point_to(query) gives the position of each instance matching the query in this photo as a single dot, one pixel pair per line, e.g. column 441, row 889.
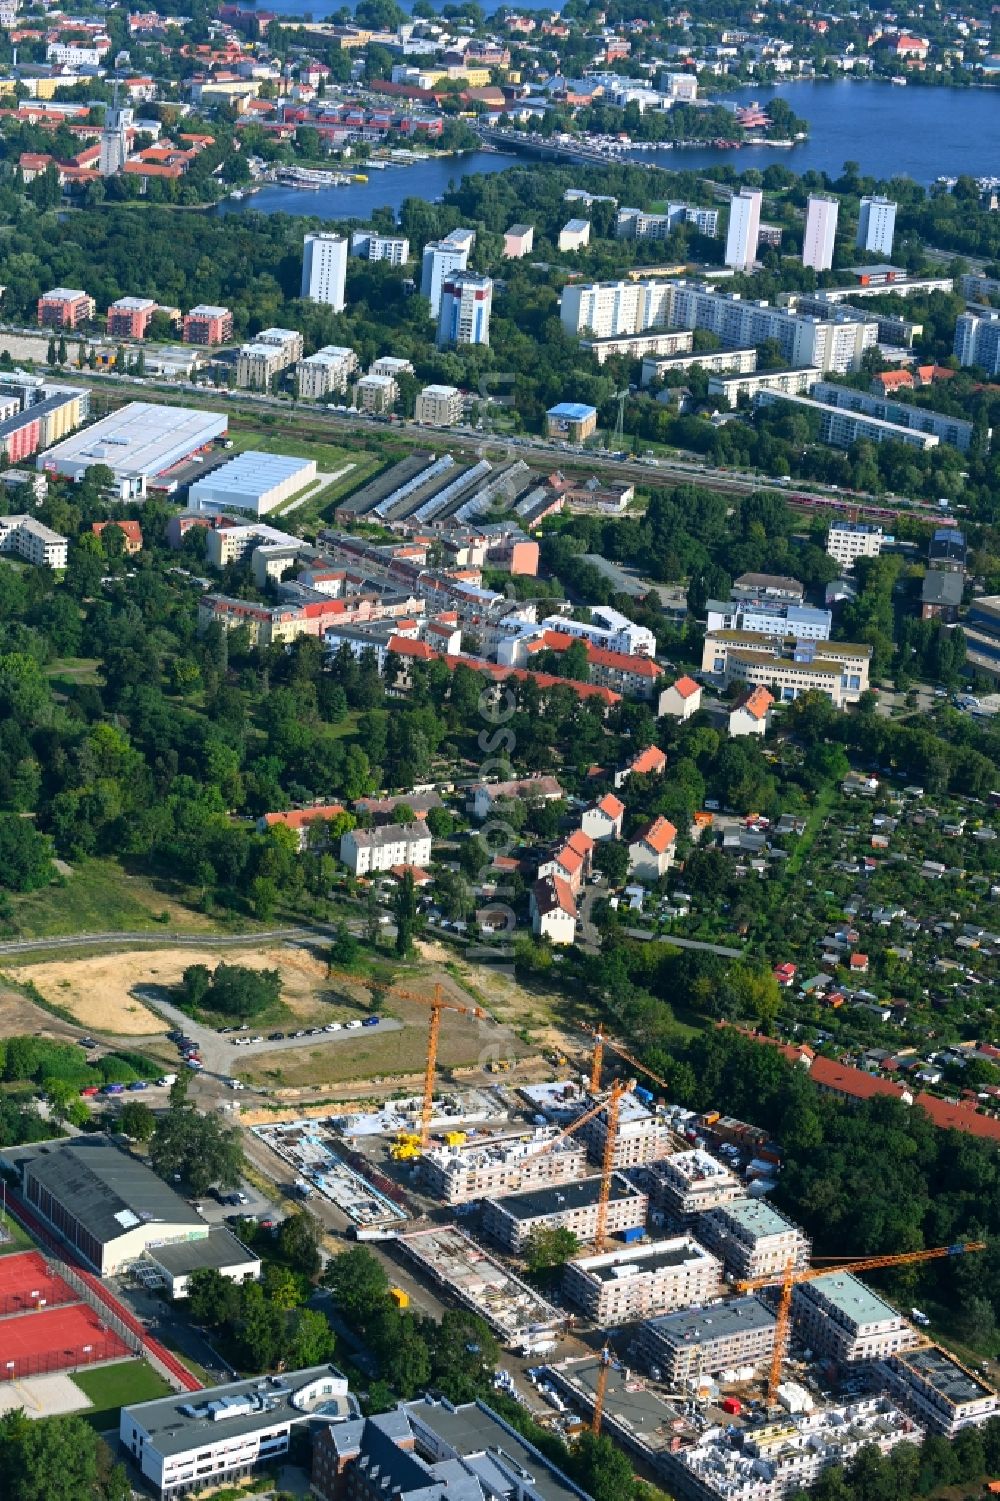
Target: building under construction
column 506, row 1163
column 688, row 1184
column 732, row 1338
column 636, row 1282
column 568, row 1206
column 642, row 1137
column 456, row 1263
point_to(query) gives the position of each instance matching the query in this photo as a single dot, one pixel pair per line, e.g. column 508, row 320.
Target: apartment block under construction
column 503, row 1164
column 642, row 1137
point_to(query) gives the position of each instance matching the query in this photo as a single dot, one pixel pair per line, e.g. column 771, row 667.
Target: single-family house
column 604, row 819
column 485, row 795
column 651, row 851
column 750, row 716
column 648, row 763
column 553, row 910
column 681, row 699
column 571, row 862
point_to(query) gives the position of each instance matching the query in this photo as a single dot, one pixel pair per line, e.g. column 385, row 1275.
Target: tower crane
column 791, row 1277
column 600, row 1391
column 437, row 1004
column 602, row 1041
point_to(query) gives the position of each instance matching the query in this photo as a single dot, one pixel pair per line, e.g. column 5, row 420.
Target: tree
column 358, row 1282
column 310, row 1339
column 344, row 949
column 464, row 1354
column 212, row 1299
column 611, row 858
column 62, row 1459
column 283, row 1288
column 25, row 861
column 405, row 906
column 197, row 1149
column 233, row 989
column 547, row 1249
column 601, row 1468
column 298, row 1242
column 260, row 1329
column 136, row 1120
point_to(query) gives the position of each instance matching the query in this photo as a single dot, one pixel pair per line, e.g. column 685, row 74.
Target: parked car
column 113, row 1089
column 370, row 1021
column 137, row 1084
column 89, row 1090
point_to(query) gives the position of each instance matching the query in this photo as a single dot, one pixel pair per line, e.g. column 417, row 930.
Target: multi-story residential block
column 728, row 1336
column 366, row 850
column 744, row 225
column 514, row 1162
column 227, row 544
column 466, row 304
column 270, row 352
column 518, row 241
column 736, row 386
column 128, row 318
column 603, row 820
column 842, row 429
column 941, row 1393
column 838, row 1316
column 326, row 372
column 753, row 1238
column 324, row 269
column 639, row 1282
column 953, row 430
column 390, row 364
column 376, row 393
column 667, row 342
column 688, row 1184
column 574, row 235
column 442, row 259
column 769, row 618
column 439, row 406
column 642, row 1136
column 513, row 1219
column 637, row 224
column 738, row 361
column 65, row 307
column 681, row 699
column 837, row 668
column 846, row 541
column 876, row 226
column 27, row 538
column 615, row 309
column 820, row 232
column 375, row 247
column 207, row 324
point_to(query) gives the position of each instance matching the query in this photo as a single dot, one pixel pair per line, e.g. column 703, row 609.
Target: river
column 921, row 133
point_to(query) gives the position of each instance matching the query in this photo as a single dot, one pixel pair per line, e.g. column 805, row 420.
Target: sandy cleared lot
column 98, row 990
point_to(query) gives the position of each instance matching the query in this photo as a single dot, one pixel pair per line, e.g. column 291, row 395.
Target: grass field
column 329, row 460
column 100, row 897
column 110, row 1387
column 20, row 1239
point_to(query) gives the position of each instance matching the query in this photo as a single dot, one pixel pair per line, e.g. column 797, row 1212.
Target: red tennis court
column 56, row 1340
column 26, row 1281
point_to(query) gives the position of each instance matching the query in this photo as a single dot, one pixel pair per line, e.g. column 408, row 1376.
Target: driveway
column 218, row 1053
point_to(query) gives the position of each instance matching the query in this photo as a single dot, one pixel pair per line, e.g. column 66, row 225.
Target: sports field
column 57, row 1339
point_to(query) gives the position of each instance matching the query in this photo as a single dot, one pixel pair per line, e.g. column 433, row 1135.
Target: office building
column 65, row 307
column 25, row 537
column 222, row 1434
column 838, row 1316
column 876, row 226
column 513, row 1219
column 367, row 850
column 466, row 304
column 376, row 393
column 842, row 429
column 639, row 1282
column 820, row 233
column 128, row 318
column 518, row 241
column 439, row 406
column 789, row 668
column 754, row 1239
column 441, row 259
column 727, row 1336
column 254, row 482
column 977, row 339
column 395, row 249
column 114, row 140
column 744, row 225
column 431, row 1450
column 947, row 429
column 942, row 1394
column 325, row 373
column 846, row 541
column 140, row 443
column 688, row 1184
column 766, row 617
column 324, row 269
column 207, row 324
column 267, row 355
column 510, row 1163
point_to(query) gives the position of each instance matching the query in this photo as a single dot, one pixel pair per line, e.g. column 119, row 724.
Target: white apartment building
column 466, row 305
column 754, row 1239
column 744, row 228
column 977, row 339
column 805, row 340
column 390, row 364
column 375, row 247
column 36, row 543
column 270, row 352
column 639, row 1282
column 848, row 540
column 367, row 850
column 841, row 428
column 838, row 1316
column 441, row 258
column 638, row 346
column 574, row 235
column 511, row 1163
column 611, row 309
column 324, row 269
column 767, row 617
column 608, row 629
column 730, row 1335
column 642, row 1136
column 957, row 431
column 439, row 406
column 513, row 1219
column 637, row 224
column 326, row 372
column 734, row 386
column 820, row 232
column 376, row 393
column 876, row 226
column 738, row 361
column 688, row 1184
column 229, row 544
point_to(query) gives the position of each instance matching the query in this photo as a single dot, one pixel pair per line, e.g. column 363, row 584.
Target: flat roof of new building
column 207, row 310
column 850, row 1297
column 716, row 1321
column 943, row 1372
column 562, row 1198
column 474, row 1429
column 106, row 1189
column 178, row 1423
column 133, row 304
column 640, row 1414
column 140, row 440
column 572, row 411
column 249, row 477
column 216, row 1250
column 630, row 1261
column 755, row 1216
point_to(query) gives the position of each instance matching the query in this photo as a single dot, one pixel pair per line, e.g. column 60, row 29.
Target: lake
column 883, row 127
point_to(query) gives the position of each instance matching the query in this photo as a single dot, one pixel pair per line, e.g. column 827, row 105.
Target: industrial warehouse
column 141, row 443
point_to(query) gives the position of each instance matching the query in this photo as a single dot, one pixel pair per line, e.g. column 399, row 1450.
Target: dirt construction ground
column 98, row 990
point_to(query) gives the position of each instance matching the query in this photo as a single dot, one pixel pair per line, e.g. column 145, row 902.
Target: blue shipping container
column 632, row 1235
column 645, row 1095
